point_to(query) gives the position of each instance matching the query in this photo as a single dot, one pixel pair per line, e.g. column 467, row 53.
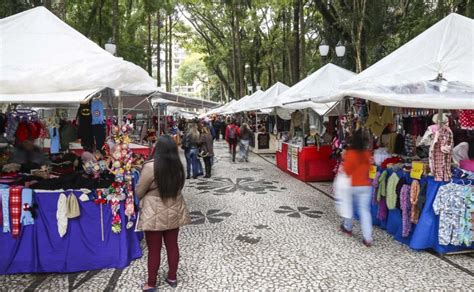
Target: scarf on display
column 15, row 209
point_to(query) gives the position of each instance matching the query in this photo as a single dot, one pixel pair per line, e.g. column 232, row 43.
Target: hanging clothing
column 55, row 142
column 441, row 153
column 67, row 134
column 410, row 143
column 414, row 195
column 380, row 155
column 391, row 191
column 379, row 117
column 405, row 206
column 5, row 192
column 61, row 214
column 382, row 186
column 460, row 152
column 382, row 212
column 450, row 206
column 428, row 137
column 466, row 119
column 15, row 209
column 467, row 222
column 97, row 110
column 27, row 204
column 85, row 126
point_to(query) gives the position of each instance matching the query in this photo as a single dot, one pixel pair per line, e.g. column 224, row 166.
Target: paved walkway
column 255, row 227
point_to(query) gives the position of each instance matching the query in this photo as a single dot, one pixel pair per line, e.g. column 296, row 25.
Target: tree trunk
column 148, row 48
column 166, row 55
column 240, row 65
column 295, row 55
column 115, row 24
column 360, row 7
column 302, row 42
column 170, row 52
column 234, row 53
column 158, row 49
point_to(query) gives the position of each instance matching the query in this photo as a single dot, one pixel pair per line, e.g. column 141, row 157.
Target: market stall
column 62, row 213
column 421, row 110
column 314, row 162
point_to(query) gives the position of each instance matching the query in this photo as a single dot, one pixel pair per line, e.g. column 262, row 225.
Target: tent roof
column 265, row 100
column 241, row 104
column 42, row 54
column 407, row 77
column 184, row 101
column 320, row 83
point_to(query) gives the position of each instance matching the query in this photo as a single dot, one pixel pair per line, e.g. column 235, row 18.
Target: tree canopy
column 243, row 44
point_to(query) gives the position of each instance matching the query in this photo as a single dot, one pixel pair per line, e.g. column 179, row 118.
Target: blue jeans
column 188, row 162
column 361, row 197
column 193, row 157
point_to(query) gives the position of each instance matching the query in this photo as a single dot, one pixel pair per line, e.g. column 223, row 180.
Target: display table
column 308, row 164
column 40, row 249
column 424, row 235
column 77, row 149
column 265, row 143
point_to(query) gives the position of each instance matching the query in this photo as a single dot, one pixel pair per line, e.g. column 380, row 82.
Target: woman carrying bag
column 162, row 208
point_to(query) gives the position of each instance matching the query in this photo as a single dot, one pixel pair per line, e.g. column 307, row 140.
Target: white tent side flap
column 265, row 100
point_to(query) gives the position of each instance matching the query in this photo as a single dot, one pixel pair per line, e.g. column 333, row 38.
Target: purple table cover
column 40, row 249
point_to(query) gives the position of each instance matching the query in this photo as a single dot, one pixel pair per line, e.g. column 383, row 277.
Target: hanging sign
column 292, row 158
column 372, row 171
column 416, row 169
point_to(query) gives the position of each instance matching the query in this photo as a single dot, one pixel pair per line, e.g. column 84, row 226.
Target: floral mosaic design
column 249, row 238
column 212, row 216
column 298, row 212
column 224, row 185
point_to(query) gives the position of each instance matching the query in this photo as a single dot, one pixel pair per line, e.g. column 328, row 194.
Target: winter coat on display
column 155, row 213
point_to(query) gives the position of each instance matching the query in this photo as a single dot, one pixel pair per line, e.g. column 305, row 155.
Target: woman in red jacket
column 232, row 134
column 356, row 164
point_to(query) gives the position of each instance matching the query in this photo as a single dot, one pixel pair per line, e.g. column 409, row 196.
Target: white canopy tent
column 242, row 103
column 434, row 70
column 45, row 60
column 225, row 107
column 265, row 100
column 320, row 83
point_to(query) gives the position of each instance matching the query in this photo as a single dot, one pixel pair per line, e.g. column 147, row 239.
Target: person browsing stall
column 162, row 208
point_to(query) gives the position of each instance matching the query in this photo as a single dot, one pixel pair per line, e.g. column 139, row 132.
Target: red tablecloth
column 313, row 165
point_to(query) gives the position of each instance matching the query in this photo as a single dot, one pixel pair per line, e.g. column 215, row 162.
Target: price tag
column 416, row 169
column 372, row 171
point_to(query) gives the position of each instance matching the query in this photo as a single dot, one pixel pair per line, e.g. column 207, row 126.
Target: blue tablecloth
column 424, row 235
column 40, row 249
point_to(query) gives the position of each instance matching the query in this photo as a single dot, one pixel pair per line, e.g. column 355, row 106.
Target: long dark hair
column 359, row 140
column 169, row 171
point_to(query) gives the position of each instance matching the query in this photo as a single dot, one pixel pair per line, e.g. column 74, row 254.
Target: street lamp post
column 324, row 48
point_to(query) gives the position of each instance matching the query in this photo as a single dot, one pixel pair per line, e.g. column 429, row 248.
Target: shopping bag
column 342, row 194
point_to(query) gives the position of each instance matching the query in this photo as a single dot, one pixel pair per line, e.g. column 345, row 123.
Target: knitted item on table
column 375, row 186
column 382, row 212
column 391, row 191
column 414, row 193
column 381, row 192
column 61, row 214
column 405, row 206
column 15, row 209
column 5, row 197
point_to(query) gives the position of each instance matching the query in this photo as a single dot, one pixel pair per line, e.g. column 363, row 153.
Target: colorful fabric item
column 382, row 192
column 414, row 194
column 61, row 214
column 466, row 233
column 450, row 206
column 380, row 155
column 466, row 119
column 379, row 117
column 97, row 110
column 441, row 154
column 15, row 209
column 391, row 191
column 405, row 206
column 375, row 187
column 382, row 212
column 5, row 192
column 27, row 204
column 391, row 160
column 72, row 209
column 54, row 138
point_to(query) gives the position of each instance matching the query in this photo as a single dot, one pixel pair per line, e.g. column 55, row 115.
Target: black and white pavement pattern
column 257, row 228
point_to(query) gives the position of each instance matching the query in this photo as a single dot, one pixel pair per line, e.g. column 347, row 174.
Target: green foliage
column 191, row 69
